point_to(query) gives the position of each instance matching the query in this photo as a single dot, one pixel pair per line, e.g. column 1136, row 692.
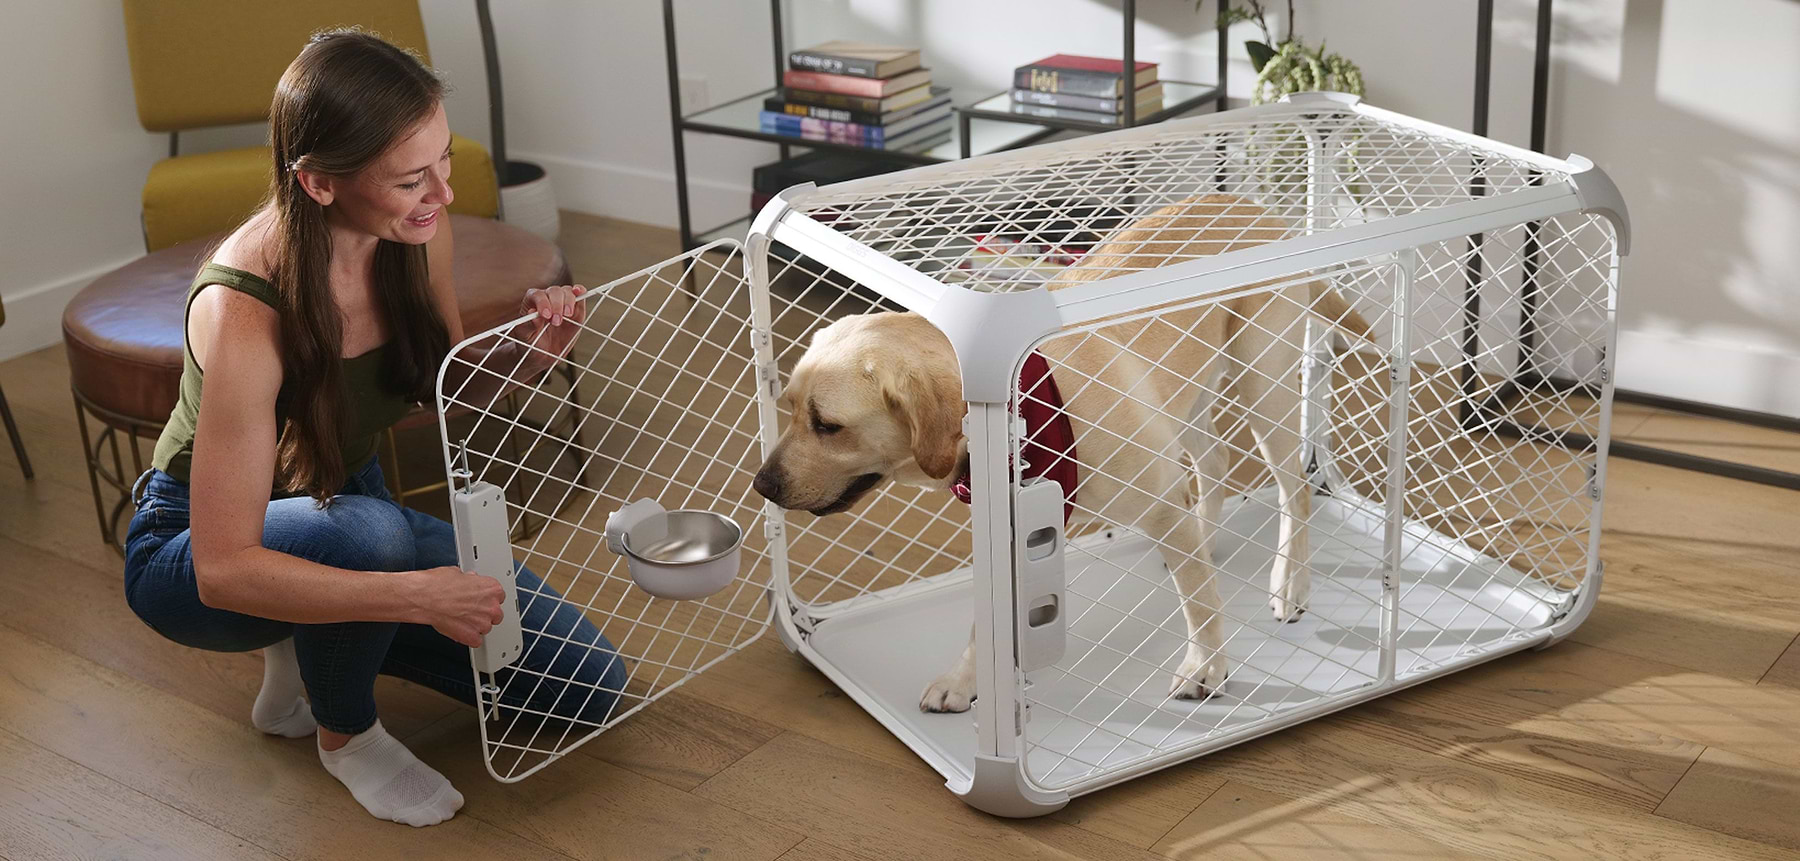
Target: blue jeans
column 568, row 668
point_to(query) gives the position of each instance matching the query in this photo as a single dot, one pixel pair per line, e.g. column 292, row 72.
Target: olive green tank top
column 369, row 408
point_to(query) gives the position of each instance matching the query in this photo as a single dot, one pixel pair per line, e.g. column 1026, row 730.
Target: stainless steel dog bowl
column 684, row 555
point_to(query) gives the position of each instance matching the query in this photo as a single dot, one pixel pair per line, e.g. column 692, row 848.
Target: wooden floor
column 1669, row 727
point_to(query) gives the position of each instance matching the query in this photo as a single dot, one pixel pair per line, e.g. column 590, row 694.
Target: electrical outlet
column 693, row 94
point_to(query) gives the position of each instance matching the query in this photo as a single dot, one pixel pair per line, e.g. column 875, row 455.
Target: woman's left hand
column 557, row 316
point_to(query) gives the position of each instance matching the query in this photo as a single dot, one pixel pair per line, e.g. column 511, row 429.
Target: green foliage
column 1289, row 66
column 1294, row 69
column 1260, row 54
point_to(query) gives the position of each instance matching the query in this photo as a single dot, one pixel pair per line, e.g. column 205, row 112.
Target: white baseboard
column 1711, row 372
column 34, row 315
column 636, row 194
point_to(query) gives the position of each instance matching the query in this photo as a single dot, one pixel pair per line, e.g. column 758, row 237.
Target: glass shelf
column 1178, row 97
column 742, row 118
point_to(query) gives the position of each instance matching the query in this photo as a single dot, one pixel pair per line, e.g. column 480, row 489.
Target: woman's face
column 401, row 197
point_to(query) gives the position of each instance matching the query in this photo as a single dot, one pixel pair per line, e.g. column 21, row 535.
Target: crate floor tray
column 1106, row 705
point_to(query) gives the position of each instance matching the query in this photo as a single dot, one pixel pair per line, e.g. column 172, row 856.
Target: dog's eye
column 824, row 428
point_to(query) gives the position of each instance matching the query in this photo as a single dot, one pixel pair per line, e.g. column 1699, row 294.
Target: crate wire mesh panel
column 663, row 407
column 1287, row 337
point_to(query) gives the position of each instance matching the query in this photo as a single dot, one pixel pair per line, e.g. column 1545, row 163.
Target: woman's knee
column 359, row 533
column 567, row 646
column 591, row 686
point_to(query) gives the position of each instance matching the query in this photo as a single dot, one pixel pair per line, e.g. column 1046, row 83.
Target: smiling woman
column 313, row 327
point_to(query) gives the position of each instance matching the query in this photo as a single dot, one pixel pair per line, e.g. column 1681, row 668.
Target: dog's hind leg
column 1200, row 439
column 1272, row 409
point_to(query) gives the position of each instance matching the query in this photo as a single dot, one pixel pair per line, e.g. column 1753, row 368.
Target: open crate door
column 656, row 398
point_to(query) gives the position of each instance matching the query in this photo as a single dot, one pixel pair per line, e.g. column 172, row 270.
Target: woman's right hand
column 460, row 605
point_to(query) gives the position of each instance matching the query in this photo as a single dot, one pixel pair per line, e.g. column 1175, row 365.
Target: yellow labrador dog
column 879, row 397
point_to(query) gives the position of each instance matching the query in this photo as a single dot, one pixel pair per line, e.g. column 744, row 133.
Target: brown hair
column 340, row 105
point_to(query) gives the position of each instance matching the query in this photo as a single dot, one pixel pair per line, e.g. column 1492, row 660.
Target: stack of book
column 1087, row 89
column 858, row 94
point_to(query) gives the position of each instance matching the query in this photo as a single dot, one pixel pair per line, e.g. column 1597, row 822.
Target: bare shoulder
column 219, row 312
column 251, row 247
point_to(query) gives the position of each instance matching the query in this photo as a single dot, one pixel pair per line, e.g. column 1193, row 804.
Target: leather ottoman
column 123, row 335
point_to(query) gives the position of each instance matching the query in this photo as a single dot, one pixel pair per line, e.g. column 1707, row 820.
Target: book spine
column 1031, row 110
column 868, row 88
column 1068, row 100
column 1071, row 81
column 837, row 132
column 832, row 100
column 821, row 112
column 860, row 67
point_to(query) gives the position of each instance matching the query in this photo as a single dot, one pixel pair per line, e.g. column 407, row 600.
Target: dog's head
column 876, row 395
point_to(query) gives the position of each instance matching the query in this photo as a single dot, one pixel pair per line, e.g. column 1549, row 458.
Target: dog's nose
column 768, row 483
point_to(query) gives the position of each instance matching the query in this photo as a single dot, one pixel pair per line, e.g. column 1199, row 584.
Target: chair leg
column 396, row 487
column 90, row 454
column 12, row 432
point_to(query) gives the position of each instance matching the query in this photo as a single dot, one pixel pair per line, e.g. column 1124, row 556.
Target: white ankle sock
column 389, row 781
column 280, row 708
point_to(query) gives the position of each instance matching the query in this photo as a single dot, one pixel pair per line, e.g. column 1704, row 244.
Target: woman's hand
column 558, row 314
column 460, row 605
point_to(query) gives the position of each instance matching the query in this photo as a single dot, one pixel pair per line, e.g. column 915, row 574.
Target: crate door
column 656, row 398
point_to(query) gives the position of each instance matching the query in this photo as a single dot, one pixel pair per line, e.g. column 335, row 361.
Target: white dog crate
column 1338, row 382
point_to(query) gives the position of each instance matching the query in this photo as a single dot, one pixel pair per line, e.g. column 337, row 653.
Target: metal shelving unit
column 979, row 129
column 1491, row 411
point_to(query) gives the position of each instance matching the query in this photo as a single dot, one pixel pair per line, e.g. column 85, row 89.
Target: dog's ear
column 932, row 413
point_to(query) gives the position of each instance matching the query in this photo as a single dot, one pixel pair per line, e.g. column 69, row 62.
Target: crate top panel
column 1150, row 197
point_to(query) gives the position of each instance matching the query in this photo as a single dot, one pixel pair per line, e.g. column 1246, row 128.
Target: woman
column 264, row 523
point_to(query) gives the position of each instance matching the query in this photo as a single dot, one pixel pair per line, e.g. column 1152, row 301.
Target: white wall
column 1694, row 109
column 73, row 158
column 72, row 161
column 1704, row 142
column 1692, row 106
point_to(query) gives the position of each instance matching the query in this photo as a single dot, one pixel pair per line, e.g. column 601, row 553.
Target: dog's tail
column 1336, row 310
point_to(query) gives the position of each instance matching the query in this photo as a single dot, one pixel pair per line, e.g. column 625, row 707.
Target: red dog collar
column 1049, row 446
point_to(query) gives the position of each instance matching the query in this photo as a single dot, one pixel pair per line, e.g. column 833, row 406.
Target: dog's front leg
column 955, row 689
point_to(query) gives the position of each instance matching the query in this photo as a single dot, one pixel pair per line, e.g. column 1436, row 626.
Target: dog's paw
column 1288, row 603
column 1200, row 676
column 950, row 692
column 1285, row 610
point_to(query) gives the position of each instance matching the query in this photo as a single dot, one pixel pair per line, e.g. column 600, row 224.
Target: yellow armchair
column 202, row 63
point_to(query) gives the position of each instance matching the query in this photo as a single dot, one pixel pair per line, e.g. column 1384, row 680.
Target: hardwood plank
column 83, row 611
column 1721, row 439
column 1242, row 823
column 600, row 249
column 1140, row 810
column 814, row 850
column 1724, row 607
column 1645, row 499
column 680, row 740
column 1663, row 630
column 1627, row 418
column 768, row 682
column 1741, row 796
column 885, row 811
column 1548, row 752
column 587, row 808
column 272, row 792
column 1466, row 807
column 1622, row 695
column 1787, row 668
column 55, row 511
column 53, row 808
